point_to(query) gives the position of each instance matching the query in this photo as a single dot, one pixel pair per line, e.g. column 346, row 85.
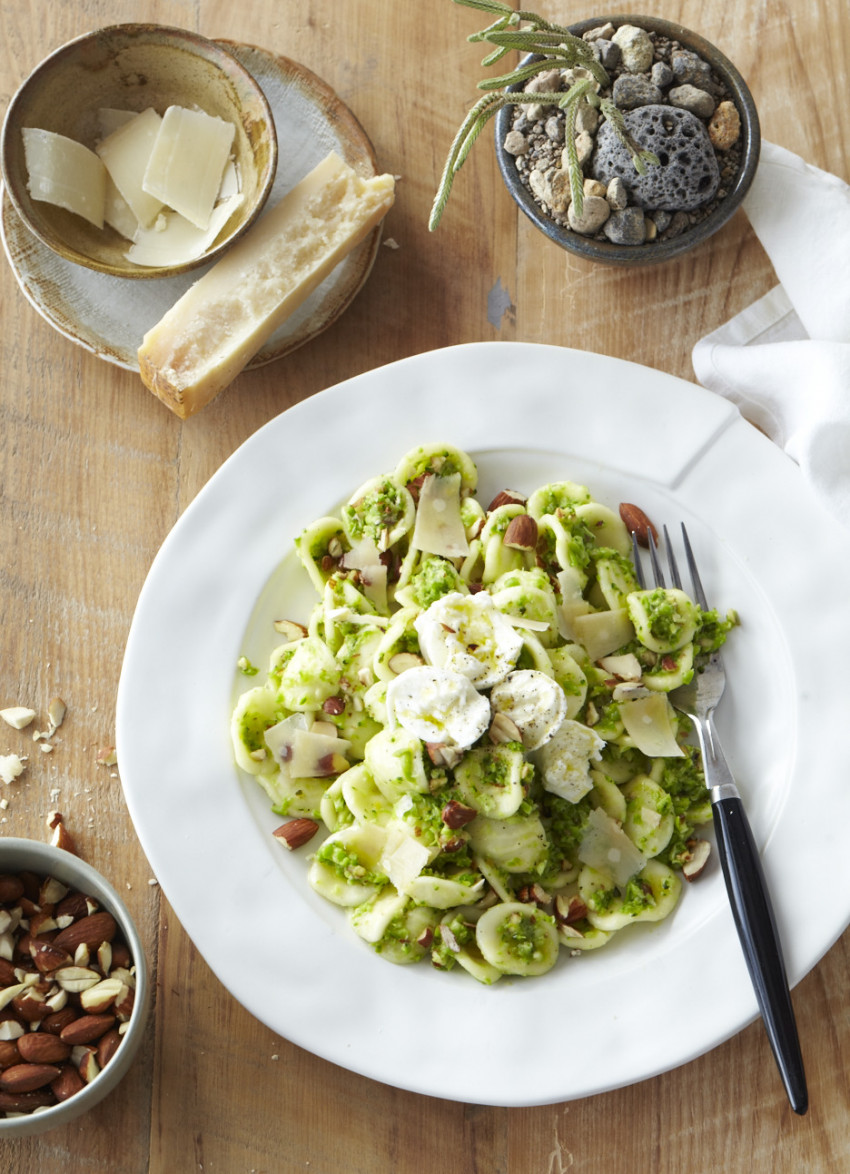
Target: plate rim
column 368, row 395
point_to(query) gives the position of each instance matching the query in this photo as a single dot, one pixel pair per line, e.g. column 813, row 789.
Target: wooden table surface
column 94, row 472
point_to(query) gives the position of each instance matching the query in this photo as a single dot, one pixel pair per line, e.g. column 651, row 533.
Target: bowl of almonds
column 73, row 987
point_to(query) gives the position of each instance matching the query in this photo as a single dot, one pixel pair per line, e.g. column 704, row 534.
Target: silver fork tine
column 638, row 564
column 671, row 561
column 653, row 558
column 699, row 593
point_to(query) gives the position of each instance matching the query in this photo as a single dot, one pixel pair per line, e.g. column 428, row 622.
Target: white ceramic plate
column 656, row 996
column 108, row 316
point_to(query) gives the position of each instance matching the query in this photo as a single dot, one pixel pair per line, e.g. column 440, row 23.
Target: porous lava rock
column 688, row 173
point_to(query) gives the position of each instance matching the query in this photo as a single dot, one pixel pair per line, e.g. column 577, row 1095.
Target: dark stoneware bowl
column 663, row 250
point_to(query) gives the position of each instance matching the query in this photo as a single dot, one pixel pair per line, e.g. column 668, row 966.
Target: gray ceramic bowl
column 650, row 253
column 17, row 855
column 131, row 67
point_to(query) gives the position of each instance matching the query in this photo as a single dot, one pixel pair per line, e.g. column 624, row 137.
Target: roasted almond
column 86, row 1029
column 9, row 1053
column 457, row 815
column 51, row 891
column 85, row 1058
column 75, row 979
column 123, row 1006
column 90, row 931
column 699, row 852
column 637, row 523
column 521, row 533
column 27, row 1077
column 11, row 1025
column 67, row 1084
column 503, row 729
column 291, row 630
column 25, row 1102
column 11, row 888
column 506, row 497
column 62, row 838
column 31, row 882
column 75, row 905
column 47, row 956
column 569, row 909
column 59, row 1020
column 96, row 999
column 296, row 832
column 402, row 661
column 108, row 1046
column 30, row 1005
column 120, row 955
column 40, row 1047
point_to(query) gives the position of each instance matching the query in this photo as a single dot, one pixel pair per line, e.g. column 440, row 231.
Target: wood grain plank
column 94, row 472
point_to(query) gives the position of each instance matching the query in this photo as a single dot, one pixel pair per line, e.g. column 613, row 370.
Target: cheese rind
column 208, row 336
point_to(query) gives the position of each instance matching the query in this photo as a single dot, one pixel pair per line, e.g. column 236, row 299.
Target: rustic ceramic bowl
column 650, row 253
column 131, row 67
column 17, row 855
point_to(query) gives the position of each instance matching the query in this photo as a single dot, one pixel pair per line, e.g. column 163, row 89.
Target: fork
column 742, row 871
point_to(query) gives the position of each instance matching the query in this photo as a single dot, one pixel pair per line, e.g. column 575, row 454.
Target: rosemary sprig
column 553, row 47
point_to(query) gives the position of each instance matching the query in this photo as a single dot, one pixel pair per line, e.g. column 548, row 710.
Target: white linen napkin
column 785, row 360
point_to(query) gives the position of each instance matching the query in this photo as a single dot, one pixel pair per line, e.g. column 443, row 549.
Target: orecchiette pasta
column 482, row 727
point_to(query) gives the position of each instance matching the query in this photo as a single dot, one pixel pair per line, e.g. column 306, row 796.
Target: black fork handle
column 757, row 930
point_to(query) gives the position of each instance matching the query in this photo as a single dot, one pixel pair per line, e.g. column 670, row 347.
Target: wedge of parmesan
column 220, row 323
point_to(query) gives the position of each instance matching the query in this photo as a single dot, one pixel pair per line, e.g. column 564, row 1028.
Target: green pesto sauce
column 664, row 618
column 434, row 578
column 683, row 781
column 637, row 896
column 565, row 824
column 252, row 730
column 375, row 511
column 522, row 935
column 347, row 865
column 713, row 630
column 601, row 899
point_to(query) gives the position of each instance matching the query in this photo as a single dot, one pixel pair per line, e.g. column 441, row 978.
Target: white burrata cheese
column 534, row 701
column 438, row 705
column 469, row 635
